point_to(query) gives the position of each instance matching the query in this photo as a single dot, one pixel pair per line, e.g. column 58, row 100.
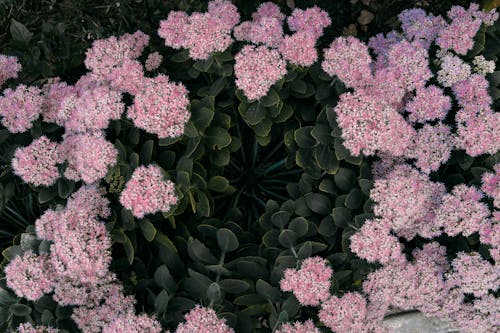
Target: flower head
column 202, row 320
column 20, row 107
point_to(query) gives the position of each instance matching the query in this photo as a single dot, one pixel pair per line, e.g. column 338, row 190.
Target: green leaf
column 218, row 184
column 11, row 252
column 227, row 240
column 147, row 151
column 213, row 293
column 217, row 87
column 299, row 86
column 202, row 117
column 341, row 216
column 305, row 251
column 127, row 219
column 287, row 238
column 318, row 203
column 19, row 32
column 265, row 289
column 148, row 230
column 234, row 286
column 199, row 252
column 161, row 302
column 272, row 98
column 354, row 199
column 217, row 138
column 163, row 240
column 20, row 310
column 255, row 114
column 181, row 56
column 164, row 279
column 46, row 194
column 280, row 219
column 65, row 187
column 345, row 179
column 299, row 225
column 129, row 250
column 303, row 137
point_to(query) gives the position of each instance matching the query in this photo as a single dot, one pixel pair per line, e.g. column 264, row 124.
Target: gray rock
column 415, row 322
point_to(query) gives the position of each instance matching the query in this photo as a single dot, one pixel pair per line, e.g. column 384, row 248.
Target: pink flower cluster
column 37, row 163
column 202, row 320
column 161, row 107
column 392, row 97
column 147, row 192
column 298, row 327
column 491, row 185
column 256, row 69
column 28, row 328
column 20, row 107
column 201, row 33
column 9, row 68
column 311, row 283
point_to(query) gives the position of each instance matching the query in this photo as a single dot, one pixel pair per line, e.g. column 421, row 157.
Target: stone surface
column 415, row 322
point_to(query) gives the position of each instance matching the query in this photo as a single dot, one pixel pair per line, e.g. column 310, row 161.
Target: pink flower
column 161, row 107
column 348, row 59
column 420, row 26
column 491, row 185
column 432, row 147
column 346, row 314
column 479, row 135
column 89, row 156
column 147, row 192
column 153, row 61
column 429, row 103
column 256, row 69
column 9, row 68
column 267, row 31
column 473, row 96
column 459, row 34
column 37, row 163
column 299, row 49
column 174, row 29
column 55, row 92
column 473, row 275
column 461, row 211
column 312, row 20
column 375, row 243
column 434, row 254
column 225, row 11
column 270, row 10
column 311, row 283
column 298, row 327
column 203, row 320
column 20, row 107
column 28, row 328
column 131, row 323
column 91, row 109
column 30, row 275
column 408, row 200
column 453, row 70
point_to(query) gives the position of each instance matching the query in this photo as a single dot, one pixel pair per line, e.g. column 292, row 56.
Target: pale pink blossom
column 20, row 107
column 257, row 68
column 431, row 147
column 30, row 275
column 131, row 323
column 311, row 283
column 459, row 34
column 203, row 320
column 153, row 61
column 299, row 49
column 147, row 192
column 313, row 20
column 491, row 185
column 298, row 327
column 37, row 163
column 29, row 328
column 429, row 103
column 161, row 107
column 9, row 68
column 346, row 314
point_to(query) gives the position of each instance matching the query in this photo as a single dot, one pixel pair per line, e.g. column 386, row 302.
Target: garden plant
column 250, row 166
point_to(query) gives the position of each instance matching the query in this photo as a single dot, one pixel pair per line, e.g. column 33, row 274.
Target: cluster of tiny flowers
column 473, row 275
column 161, row 107
column 483, row 66
column 153, row 61
column 256, row 69
column 419, row 26
column 147, row 192
column 201, row 33
column 491, row 185
column 346, row 314
column 30, row 275
column 461, row 211
column 89, row 155
column 374, row 243
column 9, row 68
column 298, row 327
column 20, row 107
column 130, row 323
column 29, row 328
column 429, row 103
column 311, row 283
column 37, row 163
column 255, row 78
column 453, row 70
column 202, row 320
column 431, row 147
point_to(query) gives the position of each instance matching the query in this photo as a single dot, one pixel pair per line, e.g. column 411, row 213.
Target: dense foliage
column 244, row 168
